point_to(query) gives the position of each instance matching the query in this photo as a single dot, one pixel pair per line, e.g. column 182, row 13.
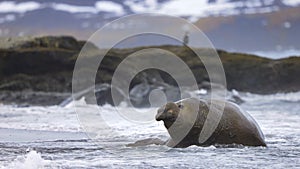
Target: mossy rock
column 49, row 62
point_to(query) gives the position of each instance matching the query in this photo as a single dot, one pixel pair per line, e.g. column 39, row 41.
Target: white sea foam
column 104, row 121
column 288, row 97
column 52, row 118
column 56, row 118
column 277, row 115
column 32, row 160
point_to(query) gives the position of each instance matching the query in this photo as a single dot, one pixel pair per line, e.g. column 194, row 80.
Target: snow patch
column 268, row 2
column 100, row 6
column 291, row 2
column 195, row 9
column 8, row 18
column 277, row 54
column 10, row 6
column 287, row 24
column 108, row 6
column 73, row 8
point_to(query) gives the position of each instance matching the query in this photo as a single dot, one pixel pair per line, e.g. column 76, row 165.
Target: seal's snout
column 167, row 112
column 160, row 114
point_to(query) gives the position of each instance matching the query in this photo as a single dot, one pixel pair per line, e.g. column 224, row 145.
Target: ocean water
column 52, row 137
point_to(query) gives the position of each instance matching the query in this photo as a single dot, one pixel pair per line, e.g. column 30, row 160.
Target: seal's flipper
column 145, row 142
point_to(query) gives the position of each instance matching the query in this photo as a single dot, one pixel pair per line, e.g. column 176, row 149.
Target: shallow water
column 51, row 137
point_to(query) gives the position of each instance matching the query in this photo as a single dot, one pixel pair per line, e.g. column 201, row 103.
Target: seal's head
column 183, row 110
column 168, row 113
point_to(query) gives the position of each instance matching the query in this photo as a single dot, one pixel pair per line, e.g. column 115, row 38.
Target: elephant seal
column 185, row 119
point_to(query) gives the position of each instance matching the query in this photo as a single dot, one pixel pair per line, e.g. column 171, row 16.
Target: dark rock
column 46, row 64
column 61, row 42
column 26, row 98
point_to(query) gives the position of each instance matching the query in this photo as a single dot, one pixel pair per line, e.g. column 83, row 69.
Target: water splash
column 32, row 160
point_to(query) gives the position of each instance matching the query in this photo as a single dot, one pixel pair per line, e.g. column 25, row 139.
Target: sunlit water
column 51, row 137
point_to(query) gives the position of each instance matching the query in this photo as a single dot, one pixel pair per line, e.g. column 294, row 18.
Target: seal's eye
column 180, row 106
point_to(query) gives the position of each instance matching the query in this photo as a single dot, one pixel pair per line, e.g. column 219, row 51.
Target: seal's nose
column 160, row 114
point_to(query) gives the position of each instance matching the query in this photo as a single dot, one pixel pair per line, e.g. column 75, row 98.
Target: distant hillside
column 46, row 64
column 233, row 25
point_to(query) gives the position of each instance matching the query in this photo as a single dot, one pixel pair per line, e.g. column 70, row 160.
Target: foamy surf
column 277, row 114
column 31, row 160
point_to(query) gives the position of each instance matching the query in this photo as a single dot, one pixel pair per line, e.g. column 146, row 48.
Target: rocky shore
column 39, row 70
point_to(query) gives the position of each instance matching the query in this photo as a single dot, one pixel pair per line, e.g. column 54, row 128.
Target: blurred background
column 267, row 28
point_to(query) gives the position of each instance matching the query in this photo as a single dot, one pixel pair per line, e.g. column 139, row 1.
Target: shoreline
column 30, row 98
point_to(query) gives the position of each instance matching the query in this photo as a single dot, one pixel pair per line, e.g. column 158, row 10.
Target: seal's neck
column 168, row 124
